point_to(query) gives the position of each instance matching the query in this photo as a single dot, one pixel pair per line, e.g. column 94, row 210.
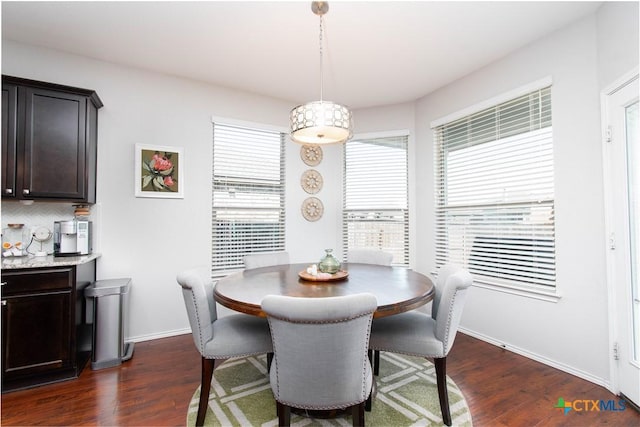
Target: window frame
column 219, row 270
column 406, row 211
column 546, row 293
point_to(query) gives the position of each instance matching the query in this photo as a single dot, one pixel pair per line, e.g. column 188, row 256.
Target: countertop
column 14, row 263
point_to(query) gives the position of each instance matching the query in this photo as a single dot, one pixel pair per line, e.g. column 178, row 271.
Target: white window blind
column 375, row 205
column 248, row 195
column 494, row 193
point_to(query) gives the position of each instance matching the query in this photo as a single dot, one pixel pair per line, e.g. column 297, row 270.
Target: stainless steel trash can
column 110, row 307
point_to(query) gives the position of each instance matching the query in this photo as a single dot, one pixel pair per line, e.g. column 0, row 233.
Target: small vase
column 329, row 264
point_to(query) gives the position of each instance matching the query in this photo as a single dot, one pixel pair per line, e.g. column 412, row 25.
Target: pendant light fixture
column 321, row 122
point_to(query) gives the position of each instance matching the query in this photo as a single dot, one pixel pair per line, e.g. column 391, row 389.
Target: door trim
column 618, row 84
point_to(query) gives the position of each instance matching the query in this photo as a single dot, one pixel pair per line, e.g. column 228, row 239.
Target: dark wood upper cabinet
column 49, row 136
column 9, row 116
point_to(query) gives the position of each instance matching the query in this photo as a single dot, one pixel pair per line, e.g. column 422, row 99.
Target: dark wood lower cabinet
column 44, row 325
column 46, row 341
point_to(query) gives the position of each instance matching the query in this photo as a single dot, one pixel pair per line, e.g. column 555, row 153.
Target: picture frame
column 159, row 171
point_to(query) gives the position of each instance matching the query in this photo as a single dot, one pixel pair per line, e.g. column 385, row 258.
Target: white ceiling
column 376, row 53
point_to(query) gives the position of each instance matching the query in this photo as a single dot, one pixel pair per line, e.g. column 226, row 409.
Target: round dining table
column 397, row 289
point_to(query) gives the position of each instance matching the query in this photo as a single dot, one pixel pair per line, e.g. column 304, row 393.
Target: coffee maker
column 72, row 238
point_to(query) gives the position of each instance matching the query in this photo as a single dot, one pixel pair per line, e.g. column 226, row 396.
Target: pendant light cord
column 321, row 70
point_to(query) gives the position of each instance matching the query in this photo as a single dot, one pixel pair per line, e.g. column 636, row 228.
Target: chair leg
column 357, row 414
column 205, row 386
column 269, row 360
column 368, row 403
column 441, row 377
column 284, row 414
column 376, row 362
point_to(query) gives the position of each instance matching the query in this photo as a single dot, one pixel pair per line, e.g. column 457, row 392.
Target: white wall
column 571, row 334
column 151, row 240
column 617, row 40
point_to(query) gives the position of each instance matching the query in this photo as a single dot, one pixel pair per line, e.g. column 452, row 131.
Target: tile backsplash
column 39, row 214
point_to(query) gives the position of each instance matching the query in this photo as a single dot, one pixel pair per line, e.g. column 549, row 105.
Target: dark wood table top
column 397, row 289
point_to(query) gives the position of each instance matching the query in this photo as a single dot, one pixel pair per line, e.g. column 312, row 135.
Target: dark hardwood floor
column 154, row 388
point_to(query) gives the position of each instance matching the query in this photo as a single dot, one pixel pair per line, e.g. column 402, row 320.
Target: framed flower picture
column 159, row 171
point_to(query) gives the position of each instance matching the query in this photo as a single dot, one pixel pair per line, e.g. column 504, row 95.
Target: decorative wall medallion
column 311, row 181
column 311, row 154
column 312, row 209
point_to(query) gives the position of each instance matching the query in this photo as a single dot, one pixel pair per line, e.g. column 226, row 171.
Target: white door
column 622, row 179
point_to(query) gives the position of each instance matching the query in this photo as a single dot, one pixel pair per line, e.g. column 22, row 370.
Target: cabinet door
column 9, row 116
column 36, row 333
column 54, row 145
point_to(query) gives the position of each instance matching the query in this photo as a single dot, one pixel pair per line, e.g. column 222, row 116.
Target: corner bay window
column 375, row 205
column 495, row 193
column 248, row 195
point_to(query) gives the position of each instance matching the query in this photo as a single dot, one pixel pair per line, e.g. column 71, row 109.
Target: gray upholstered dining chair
column 431, row 336
column 218, row 338
column 265, row 259
column 369, row 256
column 320, row 353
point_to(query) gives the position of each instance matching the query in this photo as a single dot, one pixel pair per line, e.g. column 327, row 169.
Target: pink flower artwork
column 159, row 171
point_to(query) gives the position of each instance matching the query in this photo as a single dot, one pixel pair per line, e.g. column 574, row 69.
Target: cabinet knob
column 25, row 191
column 4, row 302
column 8, row 191
column 3, row 283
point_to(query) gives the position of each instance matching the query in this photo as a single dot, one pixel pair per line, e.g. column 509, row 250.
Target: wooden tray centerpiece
column 323, row 277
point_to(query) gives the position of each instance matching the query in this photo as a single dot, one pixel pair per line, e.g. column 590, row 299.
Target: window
column 494, row 193
column 375, row 205
column 248, row 194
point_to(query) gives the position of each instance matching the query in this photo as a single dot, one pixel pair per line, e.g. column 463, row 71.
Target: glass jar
column 14, row 240
column 329, row 264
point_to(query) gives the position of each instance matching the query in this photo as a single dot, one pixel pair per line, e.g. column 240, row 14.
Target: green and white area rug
column 406, row 395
